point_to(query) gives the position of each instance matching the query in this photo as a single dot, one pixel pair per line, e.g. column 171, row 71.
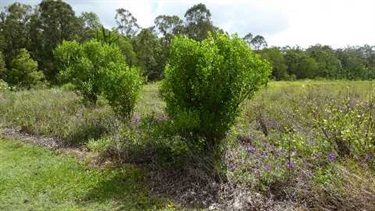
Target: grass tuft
column 34, row 178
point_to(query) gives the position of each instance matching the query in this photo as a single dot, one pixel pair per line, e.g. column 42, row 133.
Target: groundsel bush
column 206, row 82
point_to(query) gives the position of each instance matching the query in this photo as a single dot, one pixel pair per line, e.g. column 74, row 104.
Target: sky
column 337, row 23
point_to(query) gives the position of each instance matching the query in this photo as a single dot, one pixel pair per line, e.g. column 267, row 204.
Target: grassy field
column 34, row 178
column 312, row 141
column 310, row 144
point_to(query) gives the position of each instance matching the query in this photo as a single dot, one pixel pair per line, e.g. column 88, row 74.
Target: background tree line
column 30, row 34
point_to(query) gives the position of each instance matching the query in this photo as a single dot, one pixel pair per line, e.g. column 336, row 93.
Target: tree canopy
column 40, row 29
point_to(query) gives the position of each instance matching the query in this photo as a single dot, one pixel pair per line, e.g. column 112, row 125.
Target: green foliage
column 320, row 61
column 206, row 82
column 277, row 60
column 301, row 64
column 124, row 43
column 96, row 68
column 98, row 145
column 168, row 26
column 41, row 28
column 91, row 24
column 198, row 22
column 127, row 49
column 14, row 27
column 150, row 55
column 122, row 88
column 75, row 67
column 353, row 63
column 255, row 42
column 127, row 23
column 4, row 86
column 329, row 66
column 56, row 21
column 91, row 20
column 23, row 71
column 2, row 66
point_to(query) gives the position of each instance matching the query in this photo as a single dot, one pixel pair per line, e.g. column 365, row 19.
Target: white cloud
column 236, row 16
column 337, row 23
column 142, row 10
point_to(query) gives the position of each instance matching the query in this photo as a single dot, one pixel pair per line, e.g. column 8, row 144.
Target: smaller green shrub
column 84, row 65
column 96, row 68
column 24, row 72
column 4, row 86
column 68, row 87
column 98, row 145
column 122, row 89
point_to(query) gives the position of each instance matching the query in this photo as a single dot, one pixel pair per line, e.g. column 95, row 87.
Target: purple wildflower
column 316, row 155
column 291, row 164
column 332, row 156
column 232, row 167
column 268, row 167
column 250, row 150
column 368, row 157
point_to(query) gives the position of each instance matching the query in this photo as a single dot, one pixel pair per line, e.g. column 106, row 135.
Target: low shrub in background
column 23, row 71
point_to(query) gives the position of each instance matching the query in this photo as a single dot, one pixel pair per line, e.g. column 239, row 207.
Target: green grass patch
column 34, row 178
column 150, row 102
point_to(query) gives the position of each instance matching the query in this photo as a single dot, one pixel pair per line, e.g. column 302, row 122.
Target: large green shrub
column 206, row 82
column 23, row 71
column 97, row 68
